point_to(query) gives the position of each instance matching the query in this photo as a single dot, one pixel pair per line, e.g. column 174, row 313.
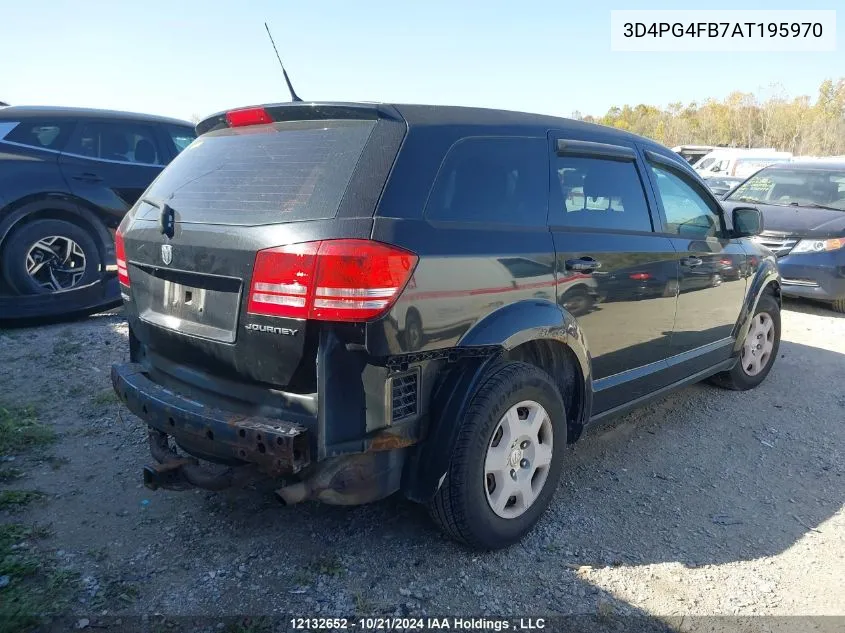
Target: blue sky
column 186, row 57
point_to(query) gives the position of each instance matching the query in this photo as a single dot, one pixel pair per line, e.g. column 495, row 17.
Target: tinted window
column 492, row 180
column 43, row 134
column 283, row 172
column 601, row 194
column 181, row 136
column 124, row 142
column 687, row 212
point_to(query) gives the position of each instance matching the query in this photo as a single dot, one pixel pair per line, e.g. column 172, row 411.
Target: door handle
column 691, row 262
column 583, row 264
column 88, row 177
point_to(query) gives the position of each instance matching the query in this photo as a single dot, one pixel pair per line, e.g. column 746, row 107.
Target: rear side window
column 42, row 134
column 123, row 142
column 284, row 172
column 499, row 180
column 180, row 136
column 600, row 194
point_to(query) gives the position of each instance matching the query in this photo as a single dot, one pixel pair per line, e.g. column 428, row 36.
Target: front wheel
column 759, row 348
column 507, row 459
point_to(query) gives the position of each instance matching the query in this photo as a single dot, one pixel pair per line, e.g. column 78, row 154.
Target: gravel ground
column 709, row 502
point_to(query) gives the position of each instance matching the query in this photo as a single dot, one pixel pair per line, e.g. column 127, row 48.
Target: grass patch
column 36, row 588
column 67, row 345
column 105, row 398
column 10, row 474
column 250, row 625
column 56, row 462
column 17, row 499
column 20, row 430
column 116, row 594
column 362, row 605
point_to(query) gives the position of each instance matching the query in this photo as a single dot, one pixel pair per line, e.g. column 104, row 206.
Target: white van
column 739, row 163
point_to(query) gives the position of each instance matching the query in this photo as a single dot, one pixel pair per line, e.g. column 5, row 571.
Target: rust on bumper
column 276, row 447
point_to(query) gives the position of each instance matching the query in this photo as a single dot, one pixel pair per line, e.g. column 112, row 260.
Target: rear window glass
column 492, row 180
column 282, row 172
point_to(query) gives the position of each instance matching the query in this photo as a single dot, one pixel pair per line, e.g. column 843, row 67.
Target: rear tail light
column 120, row 256
column 330, row 280
column 248, row 116
column 639, row 276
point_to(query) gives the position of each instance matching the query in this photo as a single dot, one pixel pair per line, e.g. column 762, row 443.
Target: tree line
column 801, row 125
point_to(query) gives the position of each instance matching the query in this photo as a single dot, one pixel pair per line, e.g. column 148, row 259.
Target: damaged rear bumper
column 255, row 448
column 276, row 447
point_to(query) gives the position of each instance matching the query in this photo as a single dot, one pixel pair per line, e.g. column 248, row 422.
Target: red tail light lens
column 332, row 280
column 282, row 280
column 120, row 256
column 639, row 276
column 248, row 116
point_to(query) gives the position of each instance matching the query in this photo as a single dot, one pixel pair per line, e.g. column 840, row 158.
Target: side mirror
column 747, row 221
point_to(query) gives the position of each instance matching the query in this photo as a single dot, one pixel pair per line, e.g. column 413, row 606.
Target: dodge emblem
column 166, row 254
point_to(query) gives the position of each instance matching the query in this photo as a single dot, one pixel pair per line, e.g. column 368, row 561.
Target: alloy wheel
column 55, row 262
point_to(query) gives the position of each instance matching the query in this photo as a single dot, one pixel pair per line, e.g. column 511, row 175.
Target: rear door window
column 121, row 142
column 600, row 194
column 284, row 172
column 495, row 180
column 42, row 134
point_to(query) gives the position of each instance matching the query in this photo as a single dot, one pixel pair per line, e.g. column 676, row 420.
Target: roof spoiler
column 305, row 111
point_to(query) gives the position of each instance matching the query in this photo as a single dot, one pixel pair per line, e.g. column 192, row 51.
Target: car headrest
column 571, row 178
column 115, row 144
column 145, row 152
column 598, row 185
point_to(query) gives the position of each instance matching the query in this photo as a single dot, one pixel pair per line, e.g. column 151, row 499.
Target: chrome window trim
column 100, row 160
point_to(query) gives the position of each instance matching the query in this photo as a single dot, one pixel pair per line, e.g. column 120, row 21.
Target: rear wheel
column 759, row 349
column 838, row 305
column 47, row 256
column 507, row 459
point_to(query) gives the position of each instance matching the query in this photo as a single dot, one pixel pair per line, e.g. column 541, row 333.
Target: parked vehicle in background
column 271, row 273
column 67, row 178
column 722, row 185
column 803, row 206
column 693, row 153
column 738, row 163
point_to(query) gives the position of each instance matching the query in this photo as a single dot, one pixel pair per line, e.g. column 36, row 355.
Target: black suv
column 67, row 178
column 362, row 299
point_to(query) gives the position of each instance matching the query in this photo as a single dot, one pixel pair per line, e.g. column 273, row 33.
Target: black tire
column 414, row 338
column 13, row 258
column 460, row 507
column 838, row 305
column 737, row 379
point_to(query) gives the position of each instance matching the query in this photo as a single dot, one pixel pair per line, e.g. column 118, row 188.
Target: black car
column 360, row 299
column 803, row 204
column 67, row 178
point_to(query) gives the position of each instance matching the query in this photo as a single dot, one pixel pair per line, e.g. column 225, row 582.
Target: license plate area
column 190, row 303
